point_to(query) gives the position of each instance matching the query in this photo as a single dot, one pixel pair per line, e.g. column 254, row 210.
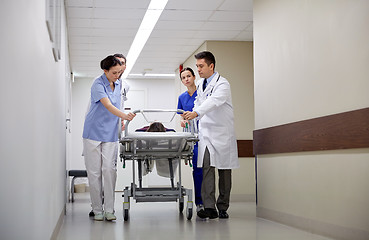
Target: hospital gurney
column 158, row 146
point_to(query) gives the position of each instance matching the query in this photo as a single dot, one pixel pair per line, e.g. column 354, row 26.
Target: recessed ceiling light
column 148, row 23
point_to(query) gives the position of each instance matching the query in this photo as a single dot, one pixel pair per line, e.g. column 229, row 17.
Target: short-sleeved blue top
column 186, row 102
column 100, row 124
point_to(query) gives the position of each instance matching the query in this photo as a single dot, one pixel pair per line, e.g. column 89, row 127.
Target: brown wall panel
column 339, row 131
column 245, row 148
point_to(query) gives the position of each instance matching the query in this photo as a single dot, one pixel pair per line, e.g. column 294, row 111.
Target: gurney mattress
column 158, row 143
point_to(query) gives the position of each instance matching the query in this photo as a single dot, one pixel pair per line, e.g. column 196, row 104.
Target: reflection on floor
column 163, row 221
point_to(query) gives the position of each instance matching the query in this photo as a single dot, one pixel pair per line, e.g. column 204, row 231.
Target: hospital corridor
column 172, row 119
column 163, row 221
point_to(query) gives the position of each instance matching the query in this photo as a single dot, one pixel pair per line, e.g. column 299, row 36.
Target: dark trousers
column 197, row 177
column 208, row 185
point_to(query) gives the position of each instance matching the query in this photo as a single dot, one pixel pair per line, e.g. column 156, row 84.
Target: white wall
column 314, row 52
column 32, row 105
column 80, row 97
column 311, row 60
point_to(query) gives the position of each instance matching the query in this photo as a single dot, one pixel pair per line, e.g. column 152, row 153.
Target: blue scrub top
column 186, row 102
column 100, row 124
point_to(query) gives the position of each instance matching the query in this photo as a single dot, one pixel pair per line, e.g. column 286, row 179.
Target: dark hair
column 186, row 69
column 119, row 55
column 156, row 127
column 109, row 61
column 207, row 56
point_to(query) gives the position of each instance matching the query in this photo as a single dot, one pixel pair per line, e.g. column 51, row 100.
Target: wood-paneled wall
column 339, row 131
column 245, row 148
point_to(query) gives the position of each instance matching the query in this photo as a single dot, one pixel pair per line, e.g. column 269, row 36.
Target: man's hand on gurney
column 189, row 115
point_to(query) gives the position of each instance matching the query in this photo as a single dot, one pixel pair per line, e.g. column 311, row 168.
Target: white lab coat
column 125, row 89
column 216, row 125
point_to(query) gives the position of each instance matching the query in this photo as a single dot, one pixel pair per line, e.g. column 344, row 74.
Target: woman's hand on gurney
column 123, row 125
column 111, row 108
column 189, row 115
column 129, row 116
column 183, row 123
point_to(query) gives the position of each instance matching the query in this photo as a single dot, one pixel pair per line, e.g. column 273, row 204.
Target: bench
column 75, row 174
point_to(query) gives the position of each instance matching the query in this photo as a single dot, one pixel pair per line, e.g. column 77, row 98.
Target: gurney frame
column 138, row 147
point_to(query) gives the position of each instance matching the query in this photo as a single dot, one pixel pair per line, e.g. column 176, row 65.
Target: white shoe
column 110, row 216
column 98, row 217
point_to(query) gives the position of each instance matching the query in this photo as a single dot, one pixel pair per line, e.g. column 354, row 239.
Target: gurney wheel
column 189, row 213
column 181, row 206
column 125, row 214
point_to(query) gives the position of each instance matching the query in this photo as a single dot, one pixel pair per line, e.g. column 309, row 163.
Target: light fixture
column 148, row 23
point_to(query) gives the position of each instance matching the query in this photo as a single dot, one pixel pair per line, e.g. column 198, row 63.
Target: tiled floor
column 163, row 221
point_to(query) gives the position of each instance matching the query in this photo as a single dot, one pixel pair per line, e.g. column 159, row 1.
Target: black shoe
column 213, row 213
column 202, row 214
column 208, row 213
column 223, row 214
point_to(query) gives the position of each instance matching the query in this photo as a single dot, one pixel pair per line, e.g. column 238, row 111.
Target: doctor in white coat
column 124, row 90
column 217, row 145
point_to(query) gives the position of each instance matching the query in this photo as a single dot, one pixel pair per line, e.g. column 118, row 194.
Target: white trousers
column 101, row 166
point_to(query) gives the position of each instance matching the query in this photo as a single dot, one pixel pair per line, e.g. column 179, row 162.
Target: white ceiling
column 97, row 28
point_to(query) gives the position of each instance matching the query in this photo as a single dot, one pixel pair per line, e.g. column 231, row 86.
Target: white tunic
column 216, row 125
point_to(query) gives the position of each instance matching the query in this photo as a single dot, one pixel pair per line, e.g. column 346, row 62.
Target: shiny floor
column 163, row 221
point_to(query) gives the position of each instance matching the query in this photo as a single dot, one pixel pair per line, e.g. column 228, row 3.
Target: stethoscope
column 211, row 91
column 124, row 93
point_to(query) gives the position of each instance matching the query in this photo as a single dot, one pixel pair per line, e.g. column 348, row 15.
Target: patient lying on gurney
column 162, row 165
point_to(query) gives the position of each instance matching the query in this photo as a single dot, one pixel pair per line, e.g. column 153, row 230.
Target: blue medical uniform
column 100, row 124
column 186, row 103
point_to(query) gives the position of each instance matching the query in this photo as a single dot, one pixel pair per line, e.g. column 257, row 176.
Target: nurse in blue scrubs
column 186, row 103
column 100, row 138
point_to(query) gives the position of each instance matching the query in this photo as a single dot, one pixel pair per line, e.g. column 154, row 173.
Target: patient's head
column 156, row 127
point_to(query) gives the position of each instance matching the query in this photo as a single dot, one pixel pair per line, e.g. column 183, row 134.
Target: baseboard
column 58, row 225
column 313, row 226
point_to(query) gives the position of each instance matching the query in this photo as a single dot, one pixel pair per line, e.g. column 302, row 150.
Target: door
column 68, row 130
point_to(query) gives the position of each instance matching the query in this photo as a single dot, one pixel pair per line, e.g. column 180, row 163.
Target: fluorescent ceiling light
column 148, row 23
